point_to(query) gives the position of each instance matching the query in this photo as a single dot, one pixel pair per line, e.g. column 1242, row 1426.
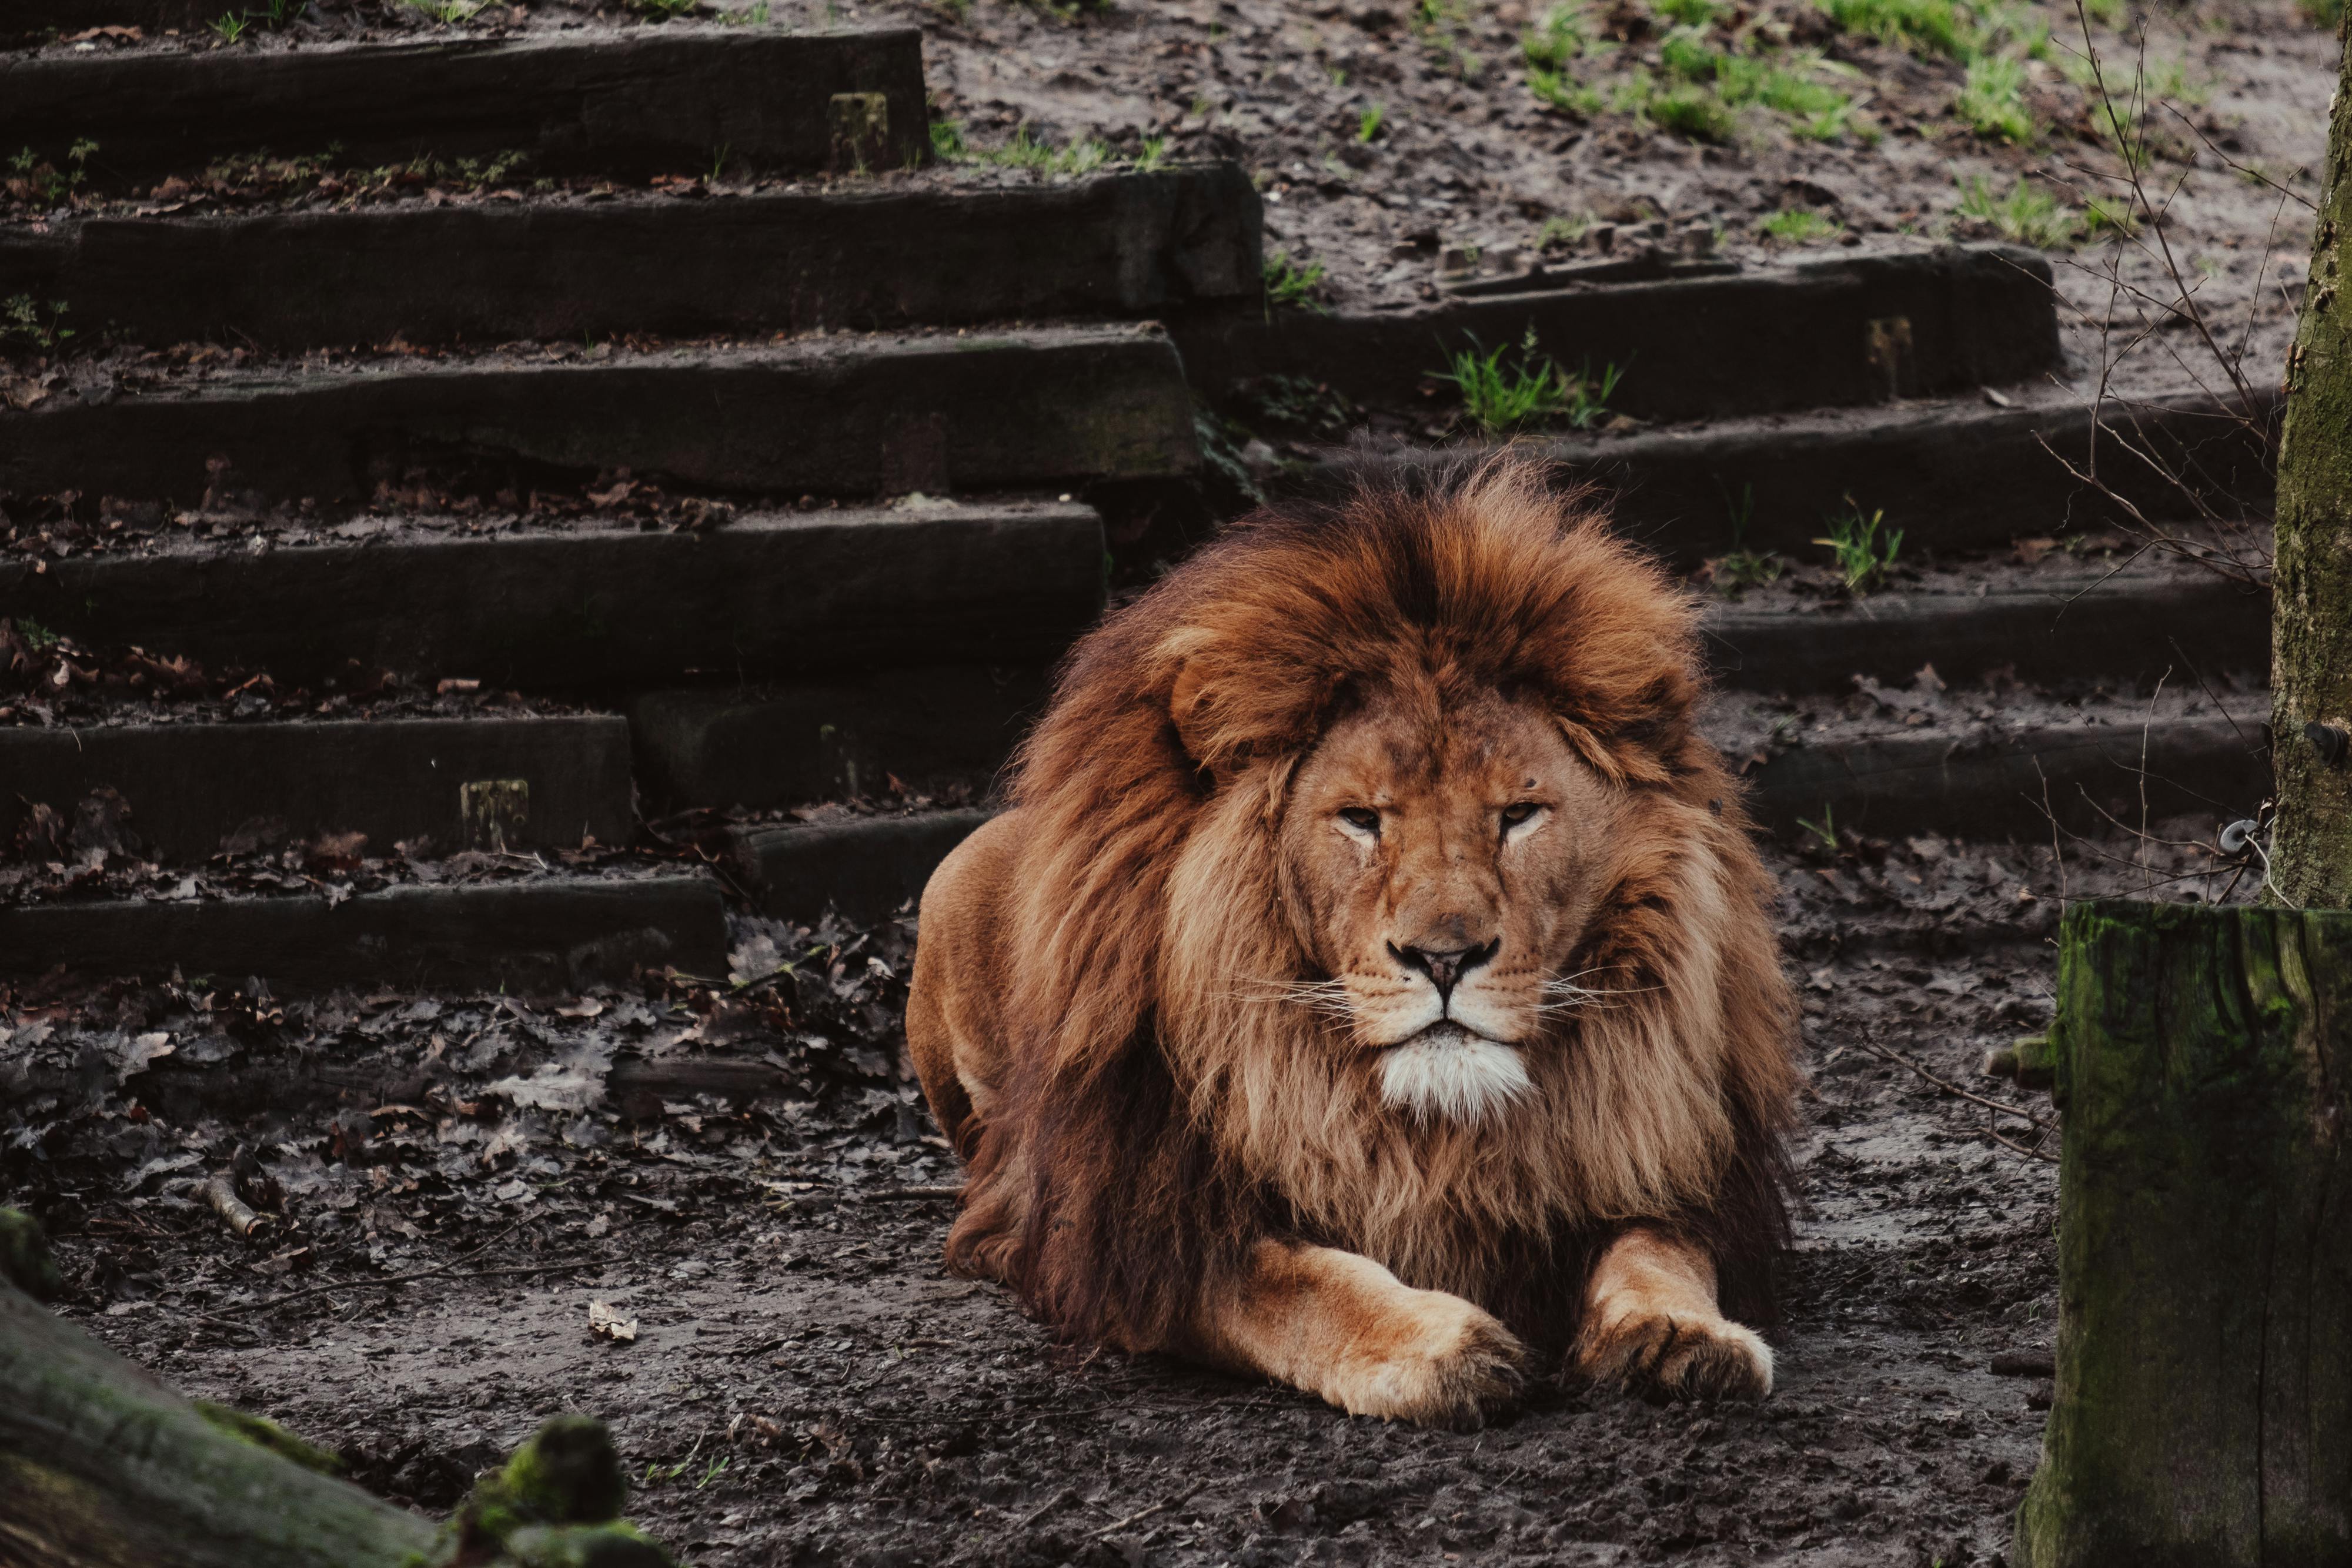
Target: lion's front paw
column 1680, row 1358
column 1441, row 1361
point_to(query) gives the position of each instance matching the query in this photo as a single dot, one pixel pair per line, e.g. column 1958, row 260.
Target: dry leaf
column 606, row 1322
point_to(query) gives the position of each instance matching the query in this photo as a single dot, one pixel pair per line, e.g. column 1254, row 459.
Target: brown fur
column 1108, row 1013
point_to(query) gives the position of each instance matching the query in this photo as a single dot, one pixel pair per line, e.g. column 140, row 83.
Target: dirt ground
column 749, row 1179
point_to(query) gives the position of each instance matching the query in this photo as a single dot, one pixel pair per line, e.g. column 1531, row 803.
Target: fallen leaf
column 606, row 1322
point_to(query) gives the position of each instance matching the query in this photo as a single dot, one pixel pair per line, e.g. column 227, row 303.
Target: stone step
column 834, row 415
column 2012, row 786
column 603, row 607
column 1955, row 475
column 879, row 256
column 1856, row 330
column 2116, row 626
column 554, row 934
column 619, row 103
column 471, row 783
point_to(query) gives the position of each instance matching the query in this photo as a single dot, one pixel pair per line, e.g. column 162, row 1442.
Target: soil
column 751, row 1177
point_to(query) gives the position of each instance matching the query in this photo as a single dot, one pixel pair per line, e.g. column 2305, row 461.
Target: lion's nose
column 1445, row 965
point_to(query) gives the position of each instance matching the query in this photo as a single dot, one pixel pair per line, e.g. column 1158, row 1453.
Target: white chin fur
column 1447, row 1070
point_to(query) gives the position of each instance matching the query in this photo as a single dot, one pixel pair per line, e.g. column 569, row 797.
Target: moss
column 568, row 1473
column 24, row 1259
column 264, row 1433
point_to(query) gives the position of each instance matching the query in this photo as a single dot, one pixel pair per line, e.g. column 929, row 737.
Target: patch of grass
column 1922, row 27
column 1563, row 230
column 1691, row 13
column 1818, row 111
column 1025, row 151
column 2023, row 213
column 1825, row 830
column 1991, row 102
column 1367, row 125
column 2328, row 13
column 1686, row 52
column 2109, row 13
column 1502, row 391
column 1799, row 225
column 1565, row 34
column 1152, row 156
column 1559, row 90
column 229, row 27
column 447, row 12
column 22, row 321
column 2103, row 216
column 44, row 180
column 1693, row 111
column 756, row 16
column 1861, row 552
column 1291, row 284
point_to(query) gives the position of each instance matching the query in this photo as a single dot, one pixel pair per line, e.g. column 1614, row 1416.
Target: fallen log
column 103, row 1466
column 2203, row 1410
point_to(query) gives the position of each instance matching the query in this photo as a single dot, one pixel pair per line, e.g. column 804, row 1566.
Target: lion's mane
column 1168, row 1105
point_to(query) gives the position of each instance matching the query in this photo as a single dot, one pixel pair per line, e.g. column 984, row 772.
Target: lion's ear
column 1192, row 707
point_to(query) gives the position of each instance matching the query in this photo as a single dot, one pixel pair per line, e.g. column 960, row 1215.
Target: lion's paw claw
column 1671, row 1358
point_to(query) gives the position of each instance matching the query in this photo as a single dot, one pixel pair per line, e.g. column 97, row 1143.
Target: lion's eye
column 1513, row 815
column 1363, row 818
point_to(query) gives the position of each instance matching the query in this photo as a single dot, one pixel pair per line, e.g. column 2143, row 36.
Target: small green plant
column 2109, row 13
column 1991, row 102
column 718, row 1468
column 2104, row 216
column 1564, row 92
column 757, row 16
column 1367, row 125
column 1691, row 13
column 1922, row 27
column 2024, row 213
column 1740, row 567
column 448, row 13
column 229, row 27
column 1818, row 111
column 1825, row 830
column 22, row 321
column 1691, row 111
column 1686, row 52
column 1565, row 34
column 947, row 142
column 1799, row 225
column 36, row 636
column 1152, row 155
column 1500, row 394
column 1863, row 555
column 1290, row 283
column 1563, row 230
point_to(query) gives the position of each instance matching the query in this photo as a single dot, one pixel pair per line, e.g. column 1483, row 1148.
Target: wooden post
column 2203, row 1414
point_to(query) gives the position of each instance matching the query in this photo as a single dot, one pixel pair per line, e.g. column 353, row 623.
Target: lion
column 1370, row 985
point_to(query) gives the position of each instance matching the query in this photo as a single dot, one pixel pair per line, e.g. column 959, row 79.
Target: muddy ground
column 752, row 1180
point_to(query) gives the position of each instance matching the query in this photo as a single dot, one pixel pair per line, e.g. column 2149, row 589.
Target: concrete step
column 832, row 416
column 609, row 102
column 1856, row 330
column 548, row 935
column 866, row 257
column 603, row 607
column 863, row 866
column 1955, row 475
column 2122, row 627
column 514, row 783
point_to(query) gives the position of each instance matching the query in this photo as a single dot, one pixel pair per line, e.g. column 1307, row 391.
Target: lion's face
column 1442, row 860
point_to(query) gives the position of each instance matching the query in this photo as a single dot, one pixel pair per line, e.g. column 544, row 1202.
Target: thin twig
column 2033, row 1154
column 1876, row 1048
column 1178, row 1500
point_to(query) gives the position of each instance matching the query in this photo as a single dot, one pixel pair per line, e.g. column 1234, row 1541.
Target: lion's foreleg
column 1650, row 1324
column 1340, row 1326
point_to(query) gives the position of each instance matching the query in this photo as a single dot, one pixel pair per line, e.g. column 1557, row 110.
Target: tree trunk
column 2311, row 654
column 2204, row 1396
column 102, row 1466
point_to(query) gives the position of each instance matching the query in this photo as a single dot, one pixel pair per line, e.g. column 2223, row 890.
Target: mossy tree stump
column 2204, row 1395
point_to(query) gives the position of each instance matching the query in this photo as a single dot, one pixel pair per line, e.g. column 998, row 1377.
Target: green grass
column 445, row 12
column 1991, row 102
column 1563, row 230
column 1562, row 91
column 1825, row 830
column 2103, row 216
column 1289, row 283
column 2328, row 13
column 1367, row 125
column 1565, row 34
column 950, row 145
column 1152, row 156
column 1861, row 552
column 1693, row 111
column 2023, row 213
column 1922, row 27
column 1502, row 391
column 1817, row 112
column 1799, row 225
column 1691, row 13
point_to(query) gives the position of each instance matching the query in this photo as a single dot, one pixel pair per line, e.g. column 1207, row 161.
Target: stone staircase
column 562, row 544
